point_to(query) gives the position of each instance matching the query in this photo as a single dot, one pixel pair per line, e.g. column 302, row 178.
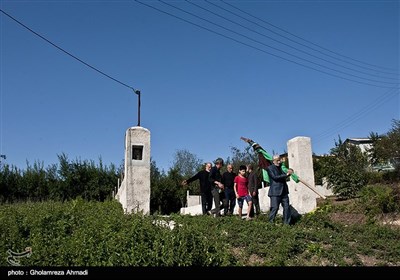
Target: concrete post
column 300, row 160
column 134, row 193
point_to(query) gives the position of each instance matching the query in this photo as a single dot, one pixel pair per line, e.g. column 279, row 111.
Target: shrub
column 378, row 199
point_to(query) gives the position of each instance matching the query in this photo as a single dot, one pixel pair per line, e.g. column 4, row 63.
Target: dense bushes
column 380, row 199
column 344, row 170
column 68, row 180
column 82, row 233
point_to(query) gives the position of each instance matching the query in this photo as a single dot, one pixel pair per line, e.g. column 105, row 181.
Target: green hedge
column 79, row 233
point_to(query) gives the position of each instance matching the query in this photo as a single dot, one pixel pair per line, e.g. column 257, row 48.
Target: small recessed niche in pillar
column 137, row 152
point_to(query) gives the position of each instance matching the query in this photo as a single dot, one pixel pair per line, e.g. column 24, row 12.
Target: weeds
column 81, row 233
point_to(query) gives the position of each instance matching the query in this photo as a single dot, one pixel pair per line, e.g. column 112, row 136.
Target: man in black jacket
column 230, row 198
column 205, row 187
column 278, row 190
column 217, row 187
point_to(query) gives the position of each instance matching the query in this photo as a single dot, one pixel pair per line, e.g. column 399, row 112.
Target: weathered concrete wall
column 300, row 160
column 134, row 193
column 192, row 200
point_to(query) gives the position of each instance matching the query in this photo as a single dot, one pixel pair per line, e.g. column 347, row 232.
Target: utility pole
column 138, row 93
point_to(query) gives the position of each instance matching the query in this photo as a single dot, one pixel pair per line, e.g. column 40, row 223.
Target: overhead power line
column 276, row 49
column 288, row 45
column 285, row 44
column 68, row 53
column 264, row 51
column 305, row 40
column 376, row 103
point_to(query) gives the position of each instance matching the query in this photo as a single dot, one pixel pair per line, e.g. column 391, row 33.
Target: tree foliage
column 344, row 169
column 242, row 157
column 65, row 181
column 167, row 194
column 386, row 148
column 186, row 163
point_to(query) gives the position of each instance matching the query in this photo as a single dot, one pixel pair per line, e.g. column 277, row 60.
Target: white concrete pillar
column 300, row 160
column 134, row 193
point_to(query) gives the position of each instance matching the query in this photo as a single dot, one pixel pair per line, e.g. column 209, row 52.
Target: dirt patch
column 255, row 260
column 348, row 218
column 368, row 260
column 391, row 219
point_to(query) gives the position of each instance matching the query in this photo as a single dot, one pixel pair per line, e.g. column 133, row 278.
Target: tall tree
column 186, row 163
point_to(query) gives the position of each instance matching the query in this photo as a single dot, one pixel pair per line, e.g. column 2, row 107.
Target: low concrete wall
column 192, row 200
column 194, row 207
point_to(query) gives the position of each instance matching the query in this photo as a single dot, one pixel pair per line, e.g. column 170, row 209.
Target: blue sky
column 266, row 70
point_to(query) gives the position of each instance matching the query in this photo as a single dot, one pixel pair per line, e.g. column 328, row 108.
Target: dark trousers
column 275, row 201
column 230, row 201
column 217, row 202
column 206, row 201
column 255, row 210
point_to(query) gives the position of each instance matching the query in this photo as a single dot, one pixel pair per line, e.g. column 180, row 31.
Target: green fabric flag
column 265, row 175
column 264, row 160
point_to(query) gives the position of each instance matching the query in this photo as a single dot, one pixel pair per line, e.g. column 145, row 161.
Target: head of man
column 219, row 162
column 276, row 159
column 208, row 166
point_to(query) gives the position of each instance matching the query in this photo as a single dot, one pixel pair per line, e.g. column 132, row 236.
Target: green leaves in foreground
column 79, row 233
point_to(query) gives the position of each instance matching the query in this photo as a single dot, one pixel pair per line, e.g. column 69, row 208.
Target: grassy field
column 80, row 233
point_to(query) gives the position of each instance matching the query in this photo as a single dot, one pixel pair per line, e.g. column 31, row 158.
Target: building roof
column 359, row 140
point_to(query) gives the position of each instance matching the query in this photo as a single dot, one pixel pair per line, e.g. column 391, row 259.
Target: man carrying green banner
column 265, row 160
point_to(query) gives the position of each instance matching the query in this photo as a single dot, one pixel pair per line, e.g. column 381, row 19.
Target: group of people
column 212, row 187
column 224, row 189
column 227, row 188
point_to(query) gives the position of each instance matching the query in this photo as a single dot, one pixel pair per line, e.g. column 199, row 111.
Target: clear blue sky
column 266, row 70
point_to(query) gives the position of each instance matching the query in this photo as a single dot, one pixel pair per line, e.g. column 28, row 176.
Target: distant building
column 363, row 143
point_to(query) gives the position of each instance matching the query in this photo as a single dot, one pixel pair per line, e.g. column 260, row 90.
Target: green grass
column 79, row 233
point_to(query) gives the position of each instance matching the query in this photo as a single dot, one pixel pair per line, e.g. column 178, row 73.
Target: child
column 242, row 191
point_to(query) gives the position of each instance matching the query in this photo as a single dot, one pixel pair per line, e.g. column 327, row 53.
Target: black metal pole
column 138, row 93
